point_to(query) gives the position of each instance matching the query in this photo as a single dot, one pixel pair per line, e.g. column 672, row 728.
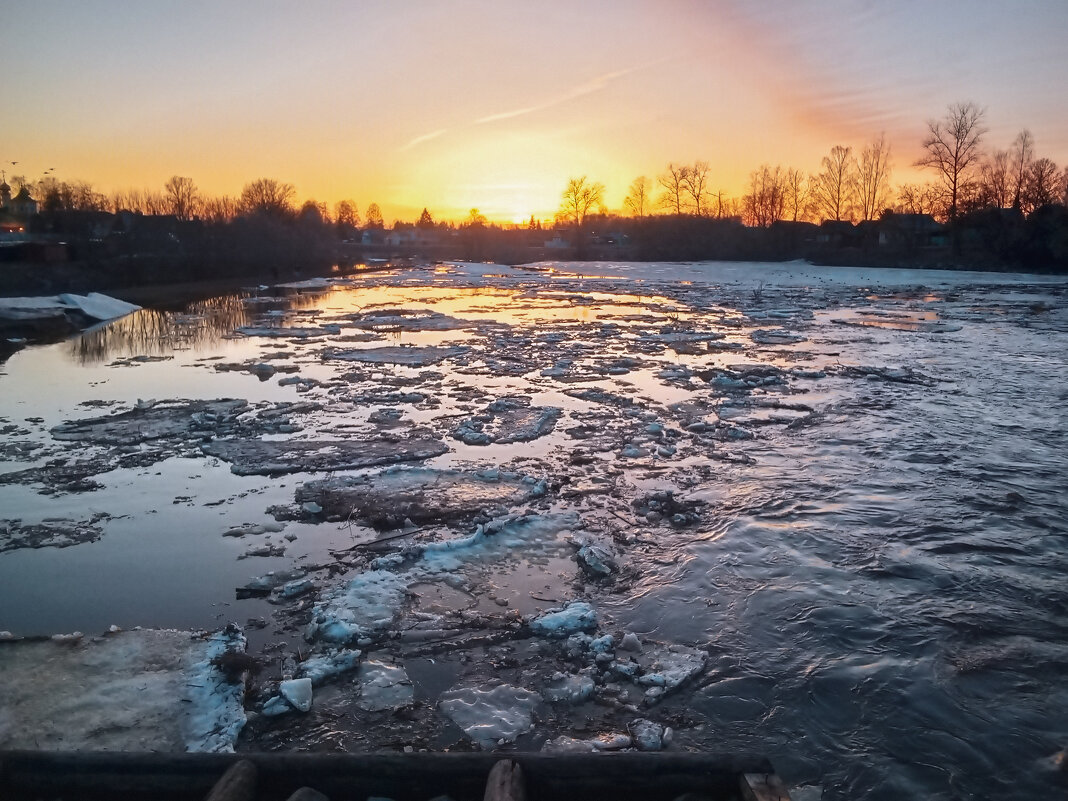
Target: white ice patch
column 492, row 716
column 321, row 668
column 367, row 604
column 126, row 691
column 94, row 305
column 371, row 602
column 98, row 306
column 217, row 711
column 298, row 692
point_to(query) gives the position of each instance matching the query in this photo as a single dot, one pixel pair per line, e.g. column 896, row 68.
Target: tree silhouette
column 833, row 188
column 1022, row 154
column 695, row 182
column 345, row 214
column 873, row 179
column 268, row 197
column 766, row 200
column 952, row 148
column 579, row 199
column 374, row 217
column 637, row 199
column 182, row 197
column 425, row 220
column 1040, row 185
column 673, row 182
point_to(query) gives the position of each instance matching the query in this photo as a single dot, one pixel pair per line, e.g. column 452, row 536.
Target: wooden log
column 237, row 784
column 763, row 787
column 103, row 776
column 505, row 783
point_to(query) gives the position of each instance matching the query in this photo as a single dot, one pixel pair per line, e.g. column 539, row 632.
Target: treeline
column 997, row 208
column 855, row 185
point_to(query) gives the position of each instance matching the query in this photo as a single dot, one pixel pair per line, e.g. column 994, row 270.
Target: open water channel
column 813, row 513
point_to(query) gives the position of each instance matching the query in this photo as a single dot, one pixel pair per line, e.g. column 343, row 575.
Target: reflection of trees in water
column 200, row 326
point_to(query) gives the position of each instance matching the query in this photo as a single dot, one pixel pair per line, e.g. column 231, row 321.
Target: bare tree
column 345, row 215
column 1040, row 185
column 1022, row 154
column 220, row 209
column 182, row 196
column 269, row 197
column 995, row 180
column 919, row 199
column 154, row 203
column 766, row 201
column 833, row 188
column 952, row 148
column 673, row 182
column 1064, row 187
column 637, row 199
column 795, row 195
column 695, row 182
column 579, row 199
column 873, row 178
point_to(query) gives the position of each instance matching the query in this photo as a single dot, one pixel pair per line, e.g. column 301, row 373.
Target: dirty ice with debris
column 813, row 513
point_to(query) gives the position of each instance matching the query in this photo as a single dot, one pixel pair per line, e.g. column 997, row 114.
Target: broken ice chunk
column 596, row 561
column 321, row 668
column 576, row 616
column 569, row 689
column 648, row 736
column 297, row 692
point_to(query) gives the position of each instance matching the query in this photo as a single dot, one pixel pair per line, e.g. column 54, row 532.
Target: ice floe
column 491, row 716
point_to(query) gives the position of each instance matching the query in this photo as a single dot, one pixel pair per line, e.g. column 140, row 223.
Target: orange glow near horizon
column 463, row 104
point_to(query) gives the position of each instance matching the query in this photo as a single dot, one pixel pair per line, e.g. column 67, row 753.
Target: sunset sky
column 453, row 104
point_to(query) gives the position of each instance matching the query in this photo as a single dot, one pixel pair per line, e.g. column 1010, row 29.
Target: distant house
column 836, row 232
column 915, row 230
column 557, row 243
column 15, row 212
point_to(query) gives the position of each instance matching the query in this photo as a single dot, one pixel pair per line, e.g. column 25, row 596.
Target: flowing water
column 873, row 463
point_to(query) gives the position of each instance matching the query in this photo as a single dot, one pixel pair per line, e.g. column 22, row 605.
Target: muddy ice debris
column 152, row 421
column 275, row 457
column 386, row 499
column 665, row 506
column 895, row 375
column 390, row 319
column 405, row 355
column 648, row 735
column 775, row 336
column 568, row 689
column 597, row 560
column 506, row 421
column 52, row 533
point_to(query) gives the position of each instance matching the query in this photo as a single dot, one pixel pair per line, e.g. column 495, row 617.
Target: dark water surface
column 880, row 586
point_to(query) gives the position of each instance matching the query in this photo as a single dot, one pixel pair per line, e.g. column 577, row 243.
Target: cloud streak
column 424, row 138
column 588, row 88
column 582, row 90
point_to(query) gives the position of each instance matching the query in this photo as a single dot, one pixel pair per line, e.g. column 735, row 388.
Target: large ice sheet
column 128, row 691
